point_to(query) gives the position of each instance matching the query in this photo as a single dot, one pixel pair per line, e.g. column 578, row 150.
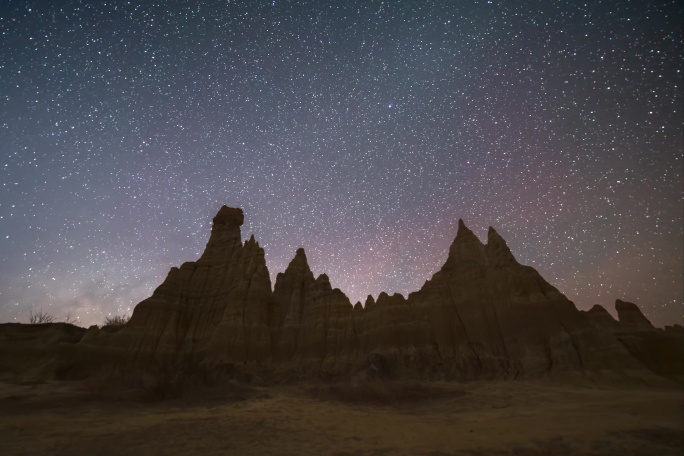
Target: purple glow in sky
column 359, row 130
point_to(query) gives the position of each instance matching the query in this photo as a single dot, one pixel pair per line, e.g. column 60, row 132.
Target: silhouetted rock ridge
column 482, row 315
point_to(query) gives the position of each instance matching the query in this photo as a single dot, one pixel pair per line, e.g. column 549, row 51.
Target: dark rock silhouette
column 482, row 315
column 630, row 316
column 42, row 333
column 31, row 350
column 662, row 351
column 217, row 307
column 313, row 319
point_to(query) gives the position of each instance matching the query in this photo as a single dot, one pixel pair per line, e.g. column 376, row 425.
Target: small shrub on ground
column 40, row 317
column 116, row 321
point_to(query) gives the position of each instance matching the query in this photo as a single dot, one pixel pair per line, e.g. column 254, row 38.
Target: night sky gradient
column 359, row 130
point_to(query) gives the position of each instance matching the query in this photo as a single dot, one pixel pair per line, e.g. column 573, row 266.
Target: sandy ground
column 511, row 418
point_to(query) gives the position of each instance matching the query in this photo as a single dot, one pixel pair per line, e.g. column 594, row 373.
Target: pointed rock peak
column 382, row 299
column 358, row 306
column 466, row 247
column 462, row 229
column 324, row 281
column 494, row 238
column 296, row 275
column 299, row 263
column 225, row 235
column 464, row 232
column 252, row 242
column 598, row 309
column 300, row 257
column 630, row 314
column 600, row 317
column 369, row 302
column 229, row 216
column 323, row 278
column 497, row 250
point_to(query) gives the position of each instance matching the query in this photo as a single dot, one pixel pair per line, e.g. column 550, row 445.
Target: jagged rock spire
column 229, row 216
column 497, row 251
column 299, row 263
column 297, row 272
column 482, row 315
column 465, row 248
column 290, row 288
column 629, row 314
column 225, row 235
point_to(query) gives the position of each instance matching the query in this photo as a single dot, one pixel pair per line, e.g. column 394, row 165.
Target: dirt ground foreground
column 495, row 418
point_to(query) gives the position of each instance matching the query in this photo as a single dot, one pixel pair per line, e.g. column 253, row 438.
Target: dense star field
column 359, row 130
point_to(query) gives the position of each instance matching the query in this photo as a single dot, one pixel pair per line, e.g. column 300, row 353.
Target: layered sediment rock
column 217, row 307
column 482, row 315
column 31, row 351
column 313, row 318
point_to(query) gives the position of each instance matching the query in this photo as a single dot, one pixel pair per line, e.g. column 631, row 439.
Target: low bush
column 40, row 317
column 116, row 321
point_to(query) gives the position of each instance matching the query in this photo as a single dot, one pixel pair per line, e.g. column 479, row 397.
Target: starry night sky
column 359, row 130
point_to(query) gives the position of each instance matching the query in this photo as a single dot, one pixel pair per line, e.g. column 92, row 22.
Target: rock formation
column 662, row 351
column 31, row 350
column 482, row 315
column 217, row 307
column 630, row 316
column 313, row 319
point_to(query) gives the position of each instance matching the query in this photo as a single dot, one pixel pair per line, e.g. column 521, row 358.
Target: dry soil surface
column 502, row 418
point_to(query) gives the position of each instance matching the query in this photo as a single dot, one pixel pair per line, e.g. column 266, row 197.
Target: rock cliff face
column 217, row 307
column 313, row 319
column 662, row 351
column 40, row 334
column 32, row 351
column 482, row 315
